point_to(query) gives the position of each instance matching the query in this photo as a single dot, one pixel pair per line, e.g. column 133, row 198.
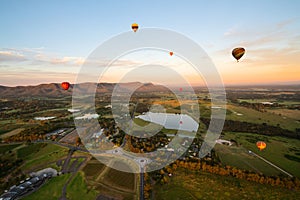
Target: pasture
column 254, row 116
column 191, row 185
column 284, row 152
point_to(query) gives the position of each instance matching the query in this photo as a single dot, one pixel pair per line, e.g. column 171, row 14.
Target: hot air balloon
column 237, row 53
column 261, row 145
column 134, row 27
column 171, row 53
column 65, row 85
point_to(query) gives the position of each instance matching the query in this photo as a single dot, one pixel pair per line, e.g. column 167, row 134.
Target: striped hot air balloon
column 237, row 53
column 261, row 145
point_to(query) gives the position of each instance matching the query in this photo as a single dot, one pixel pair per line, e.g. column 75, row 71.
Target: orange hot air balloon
column 261, row 145
column 134, row 27
column 171, row 53
column 237, row 53
column 65, row 85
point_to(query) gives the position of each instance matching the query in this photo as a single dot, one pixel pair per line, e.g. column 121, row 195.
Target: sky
column 48, row 41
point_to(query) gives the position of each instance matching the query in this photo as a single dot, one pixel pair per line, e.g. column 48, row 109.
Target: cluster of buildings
column 28, row 185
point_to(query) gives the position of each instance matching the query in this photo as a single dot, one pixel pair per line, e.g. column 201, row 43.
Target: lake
column 171, row 121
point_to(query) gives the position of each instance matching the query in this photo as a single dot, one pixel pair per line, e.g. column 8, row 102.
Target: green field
column 140, row 122
column 292, row 114
column 199, row 185
column 93, row 169
column 51, row 190
column 270, row 100
column 5, row 148
column 120, row 179
column 284, row 152
column 110, row 182
column 49, row 153
column 254, row 116
column 27, row 150
column 77, row 189
column 241, row 159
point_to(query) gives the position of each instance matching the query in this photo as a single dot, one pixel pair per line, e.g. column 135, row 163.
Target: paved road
column 142, row 184
column 273, row 165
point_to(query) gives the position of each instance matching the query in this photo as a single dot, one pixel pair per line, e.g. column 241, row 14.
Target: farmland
column 279, row 151
column 32, row 149
column 201, row 185
column 109, row 181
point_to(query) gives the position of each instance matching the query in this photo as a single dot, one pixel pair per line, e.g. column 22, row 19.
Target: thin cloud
column 11, row 56
column 285, row 23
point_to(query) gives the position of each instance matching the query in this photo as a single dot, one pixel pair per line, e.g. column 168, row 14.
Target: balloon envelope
column 65, row 85
column 171, row 53
column 134, row 27
column 237, row 53
column 261, row 145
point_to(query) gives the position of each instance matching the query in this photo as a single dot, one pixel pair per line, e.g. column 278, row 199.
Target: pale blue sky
column 71, row 30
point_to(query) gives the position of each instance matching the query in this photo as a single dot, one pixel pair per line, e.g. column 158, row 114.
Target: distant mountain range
column 55, row 89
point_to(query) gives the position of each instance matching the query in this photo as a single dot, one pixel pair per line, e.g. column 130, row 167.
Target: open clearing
column 110, row 182
column 78, row 189
column 11, row 133
column 240, row 158
column 190, row 185
column 254, row 116
column 283, row 152
column 37, row 154
column 8, row 147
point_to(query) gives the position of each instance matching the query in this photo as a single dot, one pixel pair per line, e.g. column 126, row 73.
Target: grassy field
column 11, row 133
column 48, row 153
column 93, row 169
column 141, row 128
column 270, row 100
column 199, row 185
column 241, row 159
column 253, row 116
column 5, row 148
column 257, row 100
column 27, row 150
column 281, row 151
column 78, row 189
column 51, row 190
column 110, row 182
column 140, row 122
column 292, row 114
column 120, row 179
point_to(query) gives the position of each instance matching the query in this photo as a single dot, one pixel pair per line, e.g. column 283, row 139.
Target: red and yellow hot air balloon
column 171, row 53
column 134, row 27
column 65, row 85
column 237, row 53
column 261, row 145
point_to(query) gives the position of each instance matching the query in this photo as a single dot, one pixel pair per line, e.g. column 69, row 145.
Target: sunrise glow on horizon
column 47, row 42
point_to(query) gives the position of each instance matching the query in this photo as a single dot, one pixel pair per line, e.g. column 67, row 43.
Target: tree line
column 162, row 176
column 263, row 129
